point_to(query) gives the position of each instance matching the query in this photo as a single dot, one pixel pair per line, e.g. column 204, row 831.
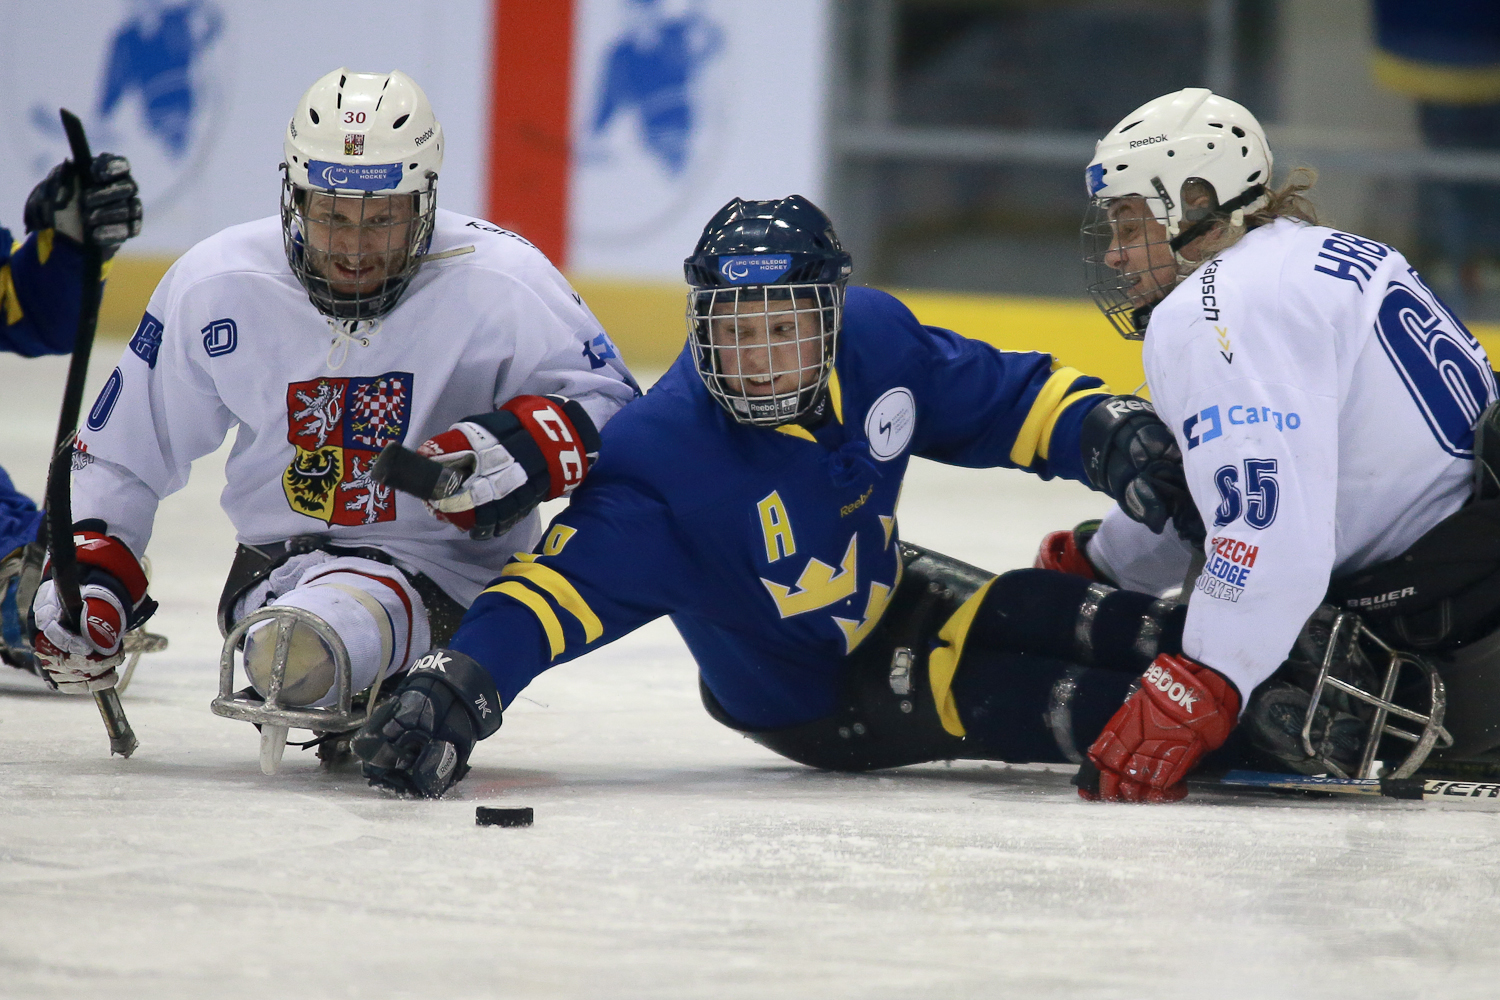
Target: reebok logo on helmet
column 1150, row 140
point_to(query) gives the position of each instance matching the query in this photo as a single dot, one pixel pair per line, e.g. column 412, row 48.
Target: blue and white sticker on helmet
column 754, row 270
column 1094, row 178
column 358, row 177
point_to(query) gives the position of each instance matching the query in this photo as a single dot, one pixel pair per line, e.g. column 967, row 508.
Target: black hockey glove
column 418, row 741
column 109, row 212
column 1131, row 455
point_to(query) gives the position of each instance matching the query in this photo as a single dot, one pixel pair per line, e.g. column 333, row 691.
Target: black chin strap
column 1223, row 212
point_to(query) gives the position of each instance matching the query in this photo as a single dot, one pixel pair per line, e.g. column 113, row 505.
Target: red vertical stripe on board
column 529, row 133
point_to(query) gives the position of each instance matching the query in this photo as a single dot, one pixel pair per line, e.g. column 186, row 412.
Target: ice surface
column 670, row 857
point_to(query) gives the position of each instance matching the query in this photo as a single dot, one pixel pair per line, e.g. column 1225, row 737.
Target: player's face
column 767, row 348
column 1140, row 251
column 356, row 243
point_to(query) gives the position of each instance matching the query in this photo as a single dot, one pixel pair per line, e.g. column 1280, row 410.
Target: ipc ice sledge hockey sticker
column 338, row 426
column 752, row 270
column 355, row 176
column 890, row 423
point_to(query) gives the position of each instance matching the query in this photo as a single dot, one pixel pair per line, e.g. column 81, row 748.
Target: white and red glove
column 113, row 586
column 1063, row 551
column 1181, row 712
column 533, row 448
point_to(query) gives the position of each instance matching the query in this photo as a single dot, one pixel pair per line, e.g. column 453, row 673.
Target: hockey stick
column 122, row 739
column 418, row 475
column 1486, row 793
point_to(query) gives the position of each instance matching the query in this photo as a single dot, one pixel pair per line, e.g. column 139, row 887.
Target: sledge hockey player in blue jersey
column 40, row 291
column 751, row 496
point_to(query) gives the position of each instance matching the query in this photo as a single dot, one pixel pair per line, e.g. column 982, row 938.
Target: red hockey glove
column 533, row 448
column 113, row 587
column 1181, row 712
column 1064, row 551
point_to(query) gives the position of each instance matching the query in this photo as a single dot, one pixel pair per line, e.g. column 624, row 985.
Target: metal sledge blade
column 418, row 475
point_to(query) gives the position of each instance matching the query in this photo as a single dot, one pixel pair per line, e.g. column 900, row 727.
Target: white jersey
column 1324, row 401
column 231, row 341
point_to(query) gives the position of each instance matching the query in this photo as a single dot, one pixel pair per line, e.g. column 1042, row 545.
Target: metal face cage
column 355, row 253
column 1128, row 259
column 1349, row 640
column 765, row 351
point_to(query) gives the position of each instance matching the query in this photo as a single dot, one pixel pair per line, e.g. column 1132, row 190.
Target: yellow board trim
column 539, row 607
column 1046, row 440
column 563, row 592
column 1053, row 391
column 1432, row 82
column 942, row 662
column 8, row 298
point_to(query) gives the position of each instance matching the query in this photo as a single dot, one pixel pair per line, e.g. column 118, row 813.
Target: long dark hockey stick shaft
column 59, row 486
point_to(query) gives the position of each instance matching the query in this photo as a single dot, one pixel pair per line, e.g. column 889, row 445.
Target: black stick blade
column 418, row 475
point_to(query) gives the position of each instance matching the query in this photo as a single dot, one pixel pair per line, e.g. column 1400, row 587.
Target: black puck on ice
column 485, row 816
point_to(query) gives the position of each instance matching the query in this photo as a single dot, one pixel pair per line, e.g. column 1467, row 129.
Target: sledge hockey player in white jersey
column 361, row 316
column 1324, row 401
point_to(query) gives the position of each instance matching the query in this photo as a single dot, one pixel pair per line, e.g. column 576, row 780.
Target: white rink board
column 670, row 857
column 205, row 89
column 680, row 105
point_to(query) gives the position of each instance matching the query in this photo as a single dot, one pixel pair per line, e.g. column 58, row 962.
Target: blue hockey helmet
column 765, row 307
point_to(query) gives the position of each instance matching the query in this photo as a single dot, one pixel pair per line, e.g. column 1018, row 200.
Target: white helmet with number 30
column 1195, row 159
column 359, row 189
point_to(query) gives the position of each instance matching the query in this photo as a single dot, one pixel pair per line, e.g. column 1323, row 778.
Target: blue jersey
column 772, row 549
column 41, row 284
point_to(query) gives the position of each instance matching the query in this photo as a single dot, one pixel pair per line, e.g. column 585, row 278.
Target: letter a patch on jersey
column 337, row 427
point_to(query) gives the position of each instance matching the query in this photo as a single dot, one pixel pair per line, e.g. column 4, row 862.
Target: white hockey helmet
column 364, row 137
column 1152, row 154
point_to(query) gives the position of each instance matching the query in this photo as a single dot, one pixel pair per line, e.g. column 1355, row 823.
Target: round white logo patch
column 890, row 423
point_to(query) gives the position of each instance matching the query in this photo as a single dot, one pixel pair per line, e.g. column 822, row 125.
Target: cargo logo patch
column 337, row 427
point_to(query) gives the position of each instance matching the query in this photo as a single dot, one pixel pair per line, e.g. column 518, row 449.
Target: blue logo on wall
column 161, row 78
column 105, row 404
column 359, row 177
column 146, row 343
column 651, row 69
column 754, row 270
column 220, row 337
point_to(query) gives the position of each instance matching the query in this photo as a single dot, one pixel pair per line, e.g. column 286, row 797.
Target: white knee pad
column 369, row 606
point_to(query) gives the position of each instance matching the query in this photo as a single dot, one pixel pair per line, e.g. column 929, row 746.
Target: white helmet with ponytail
column 1153, row 153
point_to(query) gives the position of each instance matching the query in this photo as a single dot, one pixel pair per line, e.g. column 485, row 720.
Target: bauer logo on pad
column 358, row 177
column 754, row 270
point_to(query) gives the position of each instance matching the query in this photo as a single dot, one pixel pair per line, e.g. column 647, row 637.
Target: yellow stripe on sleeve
column 942, row 662
column 44, row 245
column 563, row 592
column 539, row 607
column 1054, row 390
column 8, row 297
column 836, row 395
column 1045, row 443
